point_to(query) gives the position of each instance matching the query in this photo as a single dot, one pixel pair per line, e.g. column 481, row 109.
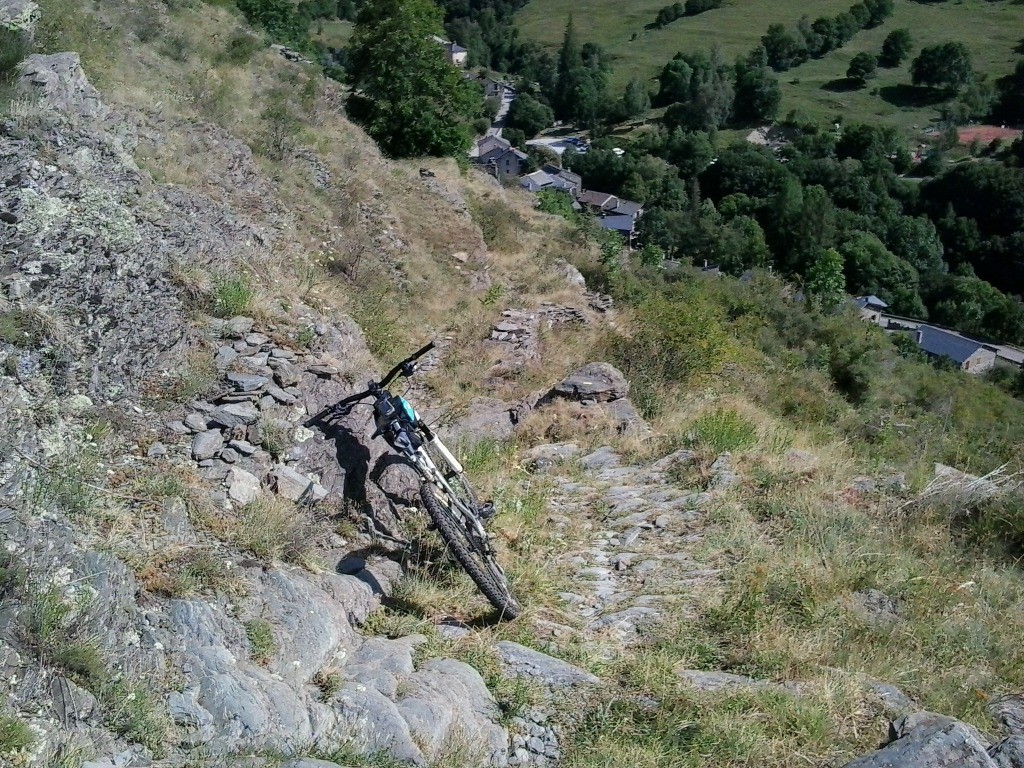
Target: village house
column 553, row 177
column 493, row 88
column 969, row 355
column 455, row 53
column 613, row 212
column 871, row 308
column 499, row 157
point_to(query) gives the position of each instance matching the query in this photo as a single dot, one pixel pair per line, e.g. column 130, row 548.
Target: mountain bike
column 444, row 489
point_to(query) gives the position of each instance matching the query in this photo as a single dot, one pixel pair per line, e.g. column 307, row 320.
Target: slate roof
column 944, row 344
column 456, row 48
column 490, row 143
column 618, row 223
column 627, row 208
column 601, row 200
column 872, row 302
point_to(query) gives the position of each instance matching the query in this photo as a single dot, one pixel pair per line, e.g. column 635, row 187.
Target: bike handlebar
column 405, row 367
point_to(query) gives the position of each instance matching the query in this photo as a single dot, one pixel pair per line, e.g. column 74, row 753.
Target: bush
column 262, row 644
column 232, row 295
column 724, row 430
column 273, row 530
column 241, row 47
column 14, row 735
column 14, row 47
column 499, row 224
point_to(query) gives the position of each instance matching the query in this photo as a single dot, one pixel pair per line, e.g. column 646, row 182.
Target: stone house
column 871, row 308
column 969, row 355
column 499, row 157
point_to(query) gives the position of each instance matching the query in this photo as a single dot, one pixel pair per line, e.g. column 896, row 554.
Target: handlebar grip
column 401, row 367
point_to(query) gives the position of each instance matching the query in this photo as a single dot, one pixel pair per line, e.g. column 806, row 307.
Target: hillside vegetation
column 757, row 562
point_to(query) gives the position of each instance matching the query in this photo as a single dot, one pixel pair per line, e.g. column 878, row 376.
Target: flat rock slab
column 205, row 445
column 594, row 381
column 602, row 458
column 294, row 485
column 520, row 661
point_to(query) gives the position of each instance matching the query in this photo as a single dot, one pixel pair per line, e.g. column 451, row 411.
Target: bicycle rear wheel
column 472, row 550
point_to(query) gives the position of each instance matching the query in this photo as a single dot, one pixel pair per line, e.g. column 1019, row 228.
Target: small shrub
column 65, row 483
column 136, row 713
column 241, row 47
column 273, row 530
column 148, row 25
column 499, row 224
column 329, row 680
column 724, row 430
column 14, row 735
column 14, row 47
column 305, row 336
column 82, row 661
column 232, row 295
column 177, row 48
column 18, row 329
column 280, row 128
column 262, row 645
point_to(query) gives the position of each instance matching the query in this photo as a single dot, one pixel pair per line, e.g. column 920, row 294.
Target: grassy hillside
column 992, row 30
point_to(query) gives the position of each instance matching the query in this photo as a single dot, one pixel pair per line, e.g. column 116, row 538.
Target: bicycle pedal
column 486, row 511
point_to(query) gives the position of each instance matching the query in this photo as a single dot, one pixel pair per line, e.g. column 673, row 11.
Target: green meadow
column 992, row 29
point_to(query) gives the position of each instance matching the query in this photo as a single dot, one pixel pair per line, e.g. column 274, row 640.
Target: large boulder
column 59, row 82
column 928, row 740
column 602, row 382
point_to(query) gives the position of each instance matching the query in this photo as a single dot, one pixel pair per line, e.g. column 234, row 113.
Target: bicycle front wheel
column 471, row 549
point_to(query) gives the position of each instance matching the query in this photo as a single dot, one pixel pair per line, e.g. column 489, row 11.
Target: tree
column 825, row 287
column 946, row 66
column 872, row 269
column 1010, row 107
column 862, row 68
column 878, row 11
column 635, row 101
column 280, row 18
column 700, row 90
column 757, row 90
column 896, row 47
column 783, row 49
column 529, row 115
column 407, row 96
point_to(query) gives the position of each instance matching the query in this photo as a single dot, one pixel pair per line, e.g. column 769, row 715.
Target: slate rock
column 594, row 381
column 544, row 456
column 224, row 357
column 243, row 447
column 245, row 382
column 205, row 445
column 293, row 485
column 626, row 417
column 196, row 422
column 602, row 458
column 928, row 740
column 287, row 375
column 520, row 661
column 243, row 487
column 237, row 327
column 1008, row 711
column 876, row 607
column 1008, row 753
column 235, row 414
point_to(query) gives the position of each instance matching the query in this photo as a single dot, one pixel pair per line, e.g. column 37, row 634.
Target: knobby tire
column 469, row 555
